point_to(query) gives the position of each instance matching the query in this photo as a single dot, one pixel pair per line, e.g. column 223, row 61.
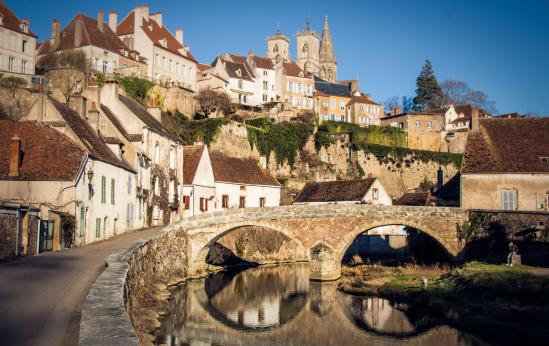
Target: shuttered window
column 225, row 201
column 103, row 189
column 113, row 185
column 98, row 227
column 508, row 199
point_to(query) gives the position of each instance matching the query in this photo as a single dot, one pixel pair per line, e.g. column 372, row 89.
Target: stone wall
column 8, row 236
column 335, row 162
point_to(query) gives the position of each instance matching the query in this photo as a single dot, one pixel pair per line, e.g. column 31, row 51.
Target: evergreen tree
column 428, row 92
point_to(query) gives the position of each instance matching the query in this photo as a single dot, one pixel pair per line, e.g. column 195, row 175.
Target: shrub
column 136, row 88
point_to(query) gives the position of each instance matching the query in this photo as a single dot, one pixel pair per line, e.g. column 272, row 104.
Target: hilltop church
column 315, row 55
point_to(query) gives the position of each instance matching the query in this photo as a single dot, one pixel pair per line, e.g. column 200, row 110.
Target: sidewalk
column 41, row 297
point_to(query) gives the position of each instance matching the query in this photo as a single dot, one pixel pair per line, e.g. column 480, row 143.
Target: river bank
column 503, row 305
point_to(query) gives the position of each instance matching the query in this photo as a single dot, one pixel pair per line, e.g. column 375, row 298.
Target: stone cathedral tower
column 308, row 50
column 328, row 65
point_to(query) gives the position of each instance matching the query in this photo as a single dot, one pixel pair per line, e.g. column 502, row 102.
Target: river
column 278, row 305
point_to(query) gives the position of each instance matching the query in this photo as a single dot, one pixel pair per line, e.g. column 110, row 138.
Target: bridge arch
column 200, row 242
column 368, row 225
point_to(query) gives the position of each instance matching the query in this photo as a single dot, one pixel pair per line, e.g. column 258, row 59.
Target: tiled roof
column 363, row 99
column 203, row 67
column 292, row 69
column 155, row 33
column 147, row 118
column 450, row 190
column 233, row 67
column 191, row 159
column 467, row 110
column 242, row 60
column 114, row 120
column 413, row 113
column 91, row 35
column 262, row 62
column 94, row 144
column 239, row 171
column 335, row 191
column 334, row 89
column 508, row 146
column 48, row 155
column 11, row 21
column 412, row 198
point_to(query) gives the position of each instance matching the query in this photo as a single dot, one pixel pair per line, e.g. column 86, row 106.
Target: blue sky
column 498, row 46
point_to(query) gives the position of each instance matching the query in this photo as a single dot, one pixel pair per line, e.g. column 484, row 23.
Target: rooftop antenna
column 278, row 26
column 308, row 22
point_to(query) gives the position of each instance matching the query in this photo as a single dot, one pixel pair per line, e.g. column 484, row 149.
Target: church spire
column 327, row 57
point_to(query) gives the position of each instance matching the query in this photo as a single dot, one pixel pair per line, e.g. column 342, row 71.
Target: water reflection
column 279, row 305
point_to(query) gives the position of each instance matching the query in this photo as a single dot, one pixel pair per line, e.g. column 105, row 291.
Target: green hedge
column 398, row 154
column 136, row 88
column 285, row 139
column 188, row 130
column 382, row 135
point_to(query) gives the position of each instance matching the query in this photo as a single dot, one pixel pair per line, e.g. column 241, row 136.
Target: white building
column 213, row 181
column 240, row 79
column 17, row 44
column 101, row 195
column 263, row 73
column 170, row 61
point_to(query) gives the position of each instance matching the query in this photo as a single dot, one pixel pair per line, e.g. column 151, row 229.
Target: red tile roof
column 91, row 36
column 233, row 67
column 155, row 33
column 292, row 69
column 48, row 155
column 335, row 191
column 203, row 67
column 412, row 198
column 508, row 146
column 191, row 159
column 239, row 171
column 11, row 21
column 363, row 99
column 262, row 62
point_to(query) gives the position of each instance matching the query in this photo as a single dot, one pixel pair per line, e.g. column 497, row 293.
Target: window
column 177, row 70
column 240, row 84
column 242, row 202
column 105, row 66
column 23, row 66
column 334, row 104
column 187, row 202
column 245, row 99
column 130, row 183
column 308, row 89
column 265, row 98
column 82, row 220
column 429, row 124
column 11, row 62
column 156, row 186
column 203, row 204
column 164, row 62
column 509, row 199
column 300, row 87
column 261, row 201
column 170, row 66
column 265, row 73
column 417, row 123
column 113, row 184
column 275, row 48
column 24, row 46
column 265, row 85
column 103, row 189
column 290, row 86
column 172, row 158
column 375, row 194
column 156, row 212
column 157, row 153
column 342, row 105
column 171, row 191
column 225, row 201
column 98, row 227
column 157, row 60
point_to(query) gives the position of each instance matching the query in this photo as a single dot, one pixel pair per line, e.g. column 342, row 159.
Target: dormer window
column 164, row 42
column 1, row 19
column 25, row 26
column 239, row 73
column 300, row 74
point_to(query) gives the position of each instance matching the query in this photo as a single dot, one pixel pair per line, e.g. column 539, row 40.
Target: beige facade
column 17, row 45
column 423, row 129
column 365, row 112
column 492, row 191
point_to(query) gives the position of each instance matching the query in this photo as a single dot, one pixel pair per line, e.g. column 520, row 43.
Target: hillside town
column 111, row 125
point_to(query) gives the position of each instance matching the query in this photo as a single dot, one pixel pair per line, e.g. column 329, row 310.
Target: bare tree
column 12, row 106
column 210, row 101
column 459, row 93
column 391, row 103
column 67, row 70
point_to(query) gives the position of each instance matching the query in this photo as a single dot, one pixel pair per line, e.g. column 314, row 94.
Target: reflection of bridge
column 322, row 232
column 324, row 316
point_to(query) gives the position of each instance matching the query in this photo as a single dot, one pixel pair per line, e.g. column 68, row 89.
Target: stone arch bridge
column 323, row 232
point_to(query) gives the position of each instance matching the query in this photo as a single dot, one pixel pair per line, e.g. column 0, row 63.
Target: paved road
column 41, row 297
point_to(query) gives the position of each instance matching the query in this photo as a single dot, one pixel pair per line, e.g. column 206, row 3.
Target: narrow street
column 41, row 297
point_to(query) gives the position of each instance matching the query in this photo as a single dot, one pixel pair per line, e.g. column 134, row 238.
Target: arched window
column 305, row 48
column 275, row 49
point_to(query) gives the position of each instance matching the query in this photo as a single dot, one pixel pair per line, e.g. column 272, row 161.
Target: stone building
column 363, row 191
column 240, row 85
column 297, row 87
column 198, row 180
column 20, row 233
column 262, row 70
column 106, row 52
column 364, row 111
column 332, row 101
column 424, row 129
column 17, row 44
column 506, row 165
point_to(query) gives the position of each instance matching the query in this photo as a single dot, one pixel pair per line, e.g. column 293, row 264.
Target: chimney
column 199, row 140
column 15, row 156
column 113, row 20
column 78, row 31
column 440, row 178
column 100, row 20
column 250, row 53
column 155, row 111
column 157, row 17
column 179, row 35
column 474, row 124
column 396, row 110
column 55, row 34
column 93, row 117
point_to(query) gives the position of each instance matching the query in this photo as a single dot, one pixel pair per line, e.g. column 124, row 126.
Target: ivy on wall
column 381, row 135
column 189, row 130
column 135, row 88
column 285, row 139
column 397, row 154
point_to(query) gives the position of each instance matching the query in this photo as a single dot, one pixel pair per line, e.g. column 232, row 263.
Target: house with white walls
column 240, row 79
column 159, row 162
column 198, row 180
column 102, row 194
column 170, row 61
column 241, row 183
column 262, row 70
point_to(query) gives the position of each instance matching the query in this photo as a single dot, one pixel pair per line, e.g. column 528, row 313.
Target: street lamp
column 90, row 186
column 90, row 175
